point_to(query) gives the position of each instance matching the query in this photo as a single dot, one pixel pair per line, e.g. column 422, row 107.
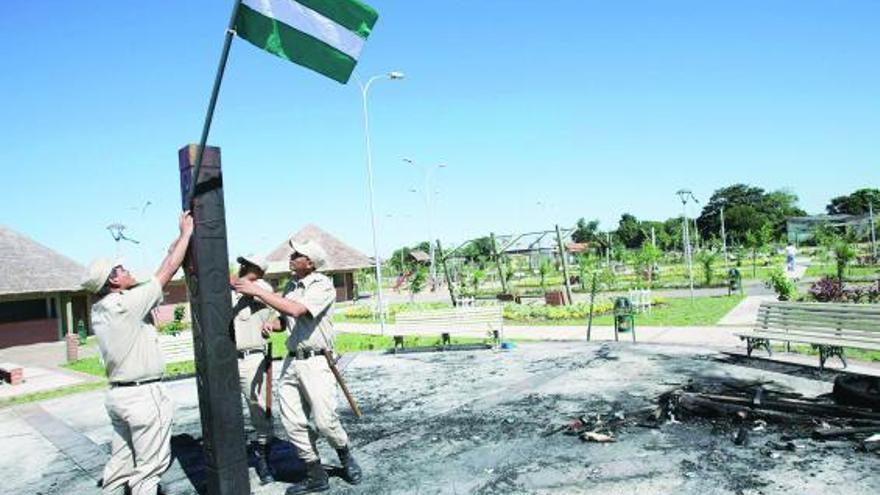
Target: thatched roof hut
column 40, row 293
column 27, row 267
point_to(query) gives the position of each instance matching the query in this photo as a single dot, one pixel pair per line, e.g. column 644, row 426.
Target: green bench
column 828, row 327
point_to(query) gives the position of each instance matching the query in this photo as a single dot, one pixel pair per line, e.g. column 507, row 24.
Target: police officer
column 307, row 385
column 250, row 322
column 139, row 406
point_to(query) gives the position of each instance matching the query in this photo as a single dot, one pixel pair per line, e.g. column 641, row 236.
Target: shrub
column 785, row 289
column 827, row 289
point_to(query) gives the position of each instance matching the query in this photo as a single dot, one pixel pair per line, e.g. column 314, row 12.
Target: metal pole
column 378, row 262
column 209, row 116
column 724, row 239
column 873, row 231
column 653, row 237
column 564, row 265
column 608, row 249
column 433, row 271
column 687, row 249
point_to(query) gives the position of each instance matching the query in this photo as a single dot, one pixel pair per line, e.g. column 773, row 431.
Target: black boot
column 351, row 470
column 264, row 470
column 316, row 480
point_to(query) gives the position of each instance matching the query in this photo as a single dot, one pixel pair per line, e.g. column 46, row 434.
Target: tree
column 756, row 241
column 707, row 258
column 629, row 231
column 544, row 269
column 478, row 250
column 747, row 208
column 586, row 231
column 855, row 203
column 586, row 265
column 647, row 259
column 417, row 281
column 844, row 253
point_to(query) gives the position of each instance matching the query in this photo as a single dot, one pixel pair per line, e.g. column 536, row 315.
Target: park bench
column 177, row 348
column 486, row 321
column 828, row 327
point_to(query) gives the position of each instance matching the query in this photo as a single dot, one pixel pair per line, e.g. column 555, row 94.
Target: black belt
column 135, row 383
column 247, row 352
column 307, row 353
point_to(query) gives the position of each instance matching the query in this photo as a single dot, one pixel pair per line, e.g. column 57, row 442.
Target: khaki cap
column 257, row 261
column 310, row 249
column 97, row 274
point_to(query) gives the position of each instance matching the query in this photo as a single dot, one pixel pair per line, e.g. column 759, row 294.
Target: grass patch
column 851, row 272
column 681, row 312
column 849, row 352
column 53, row 394
column 93, row 366
column 356, row 342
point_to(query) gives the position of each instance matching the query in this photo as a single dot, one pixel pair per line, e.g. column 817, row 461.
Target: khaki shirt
column 313, row 330
column 127, row 336
column 249, row 316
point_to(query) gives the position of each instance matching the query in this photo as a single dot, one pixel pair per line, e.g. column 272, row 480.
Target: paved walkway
column 714, row 337
column 745, row 313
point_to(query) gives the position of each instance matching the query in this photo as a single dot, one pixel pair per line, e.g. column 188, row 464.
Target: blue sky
column 592, row 108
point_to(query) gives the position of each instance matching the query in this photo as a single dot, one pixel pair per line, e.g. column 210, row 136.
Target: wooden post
column 564, row 265
column 207, row 278
column 498, row 263
column 446, row 273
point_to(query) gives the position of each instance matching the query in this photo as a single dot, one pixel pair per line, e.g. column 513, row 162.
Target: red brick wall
column 175, row 294
column 28, row 332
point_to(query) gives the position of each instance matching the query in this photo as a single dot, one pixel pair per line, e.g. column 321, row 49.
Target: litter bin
column 624, row 316
column 82, row 332
column 734, row 281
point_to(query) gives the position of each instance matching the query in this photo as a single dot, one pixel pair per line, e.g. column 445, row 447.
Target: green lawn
column 52, row 394
column 851, row 353
column 682, row 312
column 830, row 270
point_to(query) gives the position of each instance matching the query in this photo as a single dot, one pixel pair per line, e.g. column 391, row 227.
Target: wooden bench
column 487, row 321
column 828, row 327
column 177, row 348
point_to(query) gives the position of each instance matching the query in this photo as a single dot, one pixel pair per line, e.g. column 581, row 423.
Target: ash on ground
column 514, row 422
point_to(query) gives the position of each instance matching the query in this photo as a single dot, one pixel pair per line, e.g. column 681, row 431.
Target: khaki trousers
column 252, row 376
column 140, row 450
column 308, row 389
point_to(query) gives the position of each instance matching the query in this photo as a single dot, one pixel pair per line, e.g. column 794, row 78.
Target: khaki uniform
column 141, row 415
column 308, row 387
column 249, row 317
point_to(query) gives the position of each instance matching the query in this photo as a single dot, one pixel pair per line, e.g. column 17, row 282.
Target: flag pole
column 209, row 116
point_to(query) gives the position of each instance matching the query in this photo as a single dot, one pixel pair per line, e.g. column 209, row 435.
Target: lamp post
column 365, row 88
column 686, row 195
column 428, row 172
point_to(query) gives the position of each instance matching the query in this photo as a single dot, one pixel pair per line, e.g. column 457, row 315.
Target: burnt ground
column 489, row 422
column 493, row 422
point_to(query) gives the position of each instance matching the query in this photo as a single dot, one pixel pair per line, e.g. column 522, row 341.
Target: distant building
column 342, row 261
column 420, row 257
column 802, row 229
column 40, row 294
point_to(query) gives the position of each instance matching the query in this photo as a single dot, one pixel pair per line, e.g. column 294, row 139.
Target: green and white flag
column 326, row 36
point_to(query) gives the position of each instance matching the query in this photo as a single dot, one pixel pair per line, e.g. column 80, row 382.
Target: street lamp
column 685, row 195
column 428, row 171
column 365, row 88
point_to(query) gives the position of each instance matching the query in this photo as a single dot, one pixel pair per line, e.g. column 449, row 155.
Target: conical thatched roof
column 340, row 256
column 27, row 267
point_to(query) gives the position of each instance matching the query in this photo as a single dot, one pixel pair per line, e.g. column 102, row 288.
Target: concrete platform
column 482, row 422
